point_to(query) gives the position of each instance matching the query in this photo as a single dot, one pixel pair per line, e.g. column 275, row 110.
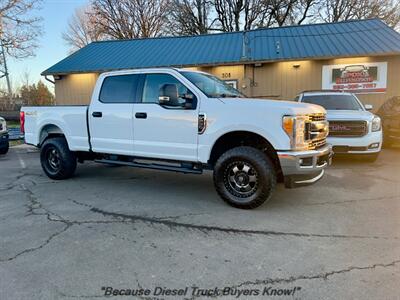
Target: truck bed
column 71, row 120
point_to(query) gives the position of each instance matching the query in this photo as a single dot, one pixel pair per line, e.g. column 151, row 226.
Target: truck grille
column 317, row 117
column 316, row 131
column 348, row 128
column 316, row 144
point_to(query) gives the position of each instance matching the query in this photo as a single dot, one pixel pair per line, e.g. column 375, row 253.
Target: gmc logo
column 339, row 128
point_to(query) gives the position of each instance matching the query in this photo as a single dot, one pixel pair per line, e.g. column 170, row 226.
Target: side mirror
column 368, row 106
column 163, row 100
column 169, row 95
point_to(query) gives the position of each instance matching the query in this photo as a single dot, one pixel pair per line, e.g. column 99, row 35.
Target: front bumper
column 304, row 167
column 368, row 144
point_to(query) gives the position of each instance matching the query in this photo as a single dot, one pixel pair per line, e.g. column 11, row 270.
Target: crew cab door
column 111, row 115
column 165, row 119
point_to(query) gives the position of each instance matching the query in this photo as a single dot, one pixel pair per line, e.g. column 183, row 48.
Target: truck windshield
column 334, row 102
column 211, row 85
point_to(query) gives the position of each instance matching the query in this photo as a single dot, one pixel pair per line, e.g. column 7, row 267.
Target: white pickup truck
column 185, row 121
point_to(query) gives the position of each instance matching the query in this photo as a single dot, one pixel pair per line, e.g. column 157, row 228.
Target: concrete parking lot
column 130, row 228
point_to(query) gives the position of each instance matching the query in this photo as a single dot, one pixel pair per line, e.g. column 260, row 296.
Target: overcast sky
column 55, row 14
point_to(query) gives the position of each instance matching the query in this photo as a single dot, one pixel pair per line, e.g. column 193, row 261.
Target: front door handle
column 97, row 114
column 141, row 115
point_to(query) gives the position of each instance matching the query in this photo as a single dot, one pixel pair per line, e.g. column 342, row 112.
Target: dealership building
column 276, row 63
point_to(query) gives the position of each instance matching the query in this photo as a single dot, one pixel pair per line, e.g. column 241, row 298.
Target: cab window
column 166, row 90
column 119, row 89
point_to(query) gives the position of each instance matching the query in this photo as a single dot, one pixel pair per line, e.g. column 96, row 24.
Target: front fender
column 210, row 137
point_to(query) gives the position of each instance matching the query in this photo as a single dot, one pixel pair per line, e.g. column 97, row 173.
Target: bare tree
column 305, row 10
column 189, row 17
column 338, row 10
column 235, row 15
column 82, row 29
column 128, row 19
column 19, row 30
column 386, row 10
column 342, row 10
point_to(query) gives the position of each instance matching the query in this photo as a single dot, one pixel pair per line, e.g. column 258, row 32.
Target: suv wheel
column 58, row 162
column 244, row 177
column 5, row 149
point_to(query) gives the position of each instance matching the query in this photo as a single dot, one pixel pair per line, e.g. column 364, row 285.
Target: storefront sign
column 361, row 78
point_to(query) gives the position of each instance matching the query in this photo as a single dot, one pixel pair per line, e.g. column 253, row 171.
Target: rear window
column 119, row 89
column 334, row 102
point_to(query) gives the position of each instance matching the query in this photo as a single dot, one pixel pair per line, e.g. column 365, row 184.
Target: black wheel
column 58, row 162
column 5, row 149
column 244, row 177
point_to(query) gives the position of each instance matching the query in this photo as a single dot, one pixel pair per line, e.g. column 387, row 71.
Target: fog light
column 373, row 146
column 306, row 161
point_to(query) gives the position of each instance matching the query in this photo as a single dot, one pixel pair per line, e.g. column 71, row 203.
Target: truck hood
column 286, row 107
column 349, row 115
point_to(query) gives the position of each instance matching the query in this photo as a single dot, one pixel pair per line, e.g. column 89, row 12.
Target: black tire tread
column 68, row 163
column 5, row 149
column 257, row 157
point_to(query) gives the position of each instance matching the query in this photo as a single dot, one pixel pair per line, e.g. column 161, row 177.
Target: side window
column 297, row 98
column 165, row 89
column 119, row 89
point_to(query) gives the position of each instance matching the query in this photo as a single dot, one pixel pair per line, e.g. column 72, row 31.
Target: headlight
column 294, row 126
column 3, row 125
column 376, row 124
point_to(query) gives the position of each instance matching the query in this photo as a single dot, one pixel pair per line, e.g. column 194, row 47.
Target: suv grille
column 348, row 128
column 316, row 131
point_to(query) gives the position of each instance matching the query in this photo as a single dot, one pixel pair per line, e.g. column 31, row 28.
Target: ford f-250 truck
column 185, row 121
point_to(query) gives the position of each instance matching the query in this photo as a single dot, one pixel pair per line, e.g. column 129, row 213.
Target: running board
column 150, row 166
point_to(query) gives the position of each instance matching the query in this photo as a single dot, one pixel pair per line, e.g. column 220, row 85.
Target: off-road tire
column 64, row 164
column 259, row 164
column 5, row 149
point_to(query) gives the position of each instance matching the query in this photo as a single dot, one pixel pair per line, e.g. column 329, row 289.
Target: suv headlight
column 3, row 125
column 376, row 124
column 295, row 128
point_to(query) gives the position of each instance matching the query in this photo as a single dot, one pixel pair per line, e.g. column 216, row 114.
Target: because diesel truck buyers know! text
column 185, row 121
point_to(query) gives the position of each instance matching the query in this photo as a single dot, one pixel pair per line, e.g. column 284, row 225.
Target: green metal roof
column 315, row 41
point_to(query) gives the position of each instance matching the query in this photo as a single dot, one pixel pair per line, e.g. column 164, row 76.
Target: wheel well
column 48, row 131
column 245, row 138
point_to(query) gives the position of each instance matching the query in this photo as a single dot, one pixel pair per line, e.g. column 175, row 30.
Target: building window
column 232, row 83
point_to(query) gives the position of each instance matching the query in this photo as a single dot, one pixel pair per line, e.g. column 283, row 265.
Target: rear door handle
column 141, row 115
column 97, row 114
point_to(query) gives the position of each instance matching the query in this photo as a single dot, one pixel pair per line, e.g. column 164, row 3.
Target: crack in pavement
column 46, row 242
column 323, row 276
column 170, row 221
column 352, row 200
column 31, row 211
column 209, row 228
